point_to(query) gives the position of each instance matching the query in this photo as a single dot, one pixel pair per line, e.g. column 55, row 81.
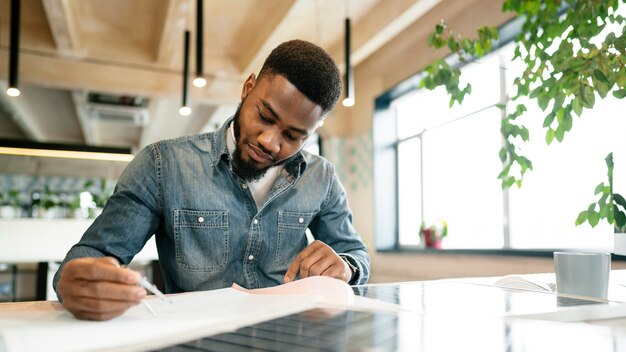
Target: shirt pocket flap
column 294, row 220
column 201, row 218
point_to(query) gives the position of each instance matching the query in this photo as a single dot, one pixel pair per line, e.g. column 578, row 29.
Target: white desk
column 443, row 315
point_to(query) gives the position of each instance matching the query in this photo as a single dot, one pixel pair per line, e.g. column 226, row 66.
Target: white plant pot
column 619, row 244
column 54, row 213
column 8, row 212
column 78, row 213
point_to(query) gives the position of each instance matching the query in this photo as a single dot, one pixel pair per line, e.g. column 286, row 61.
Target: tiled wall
column 352, row 157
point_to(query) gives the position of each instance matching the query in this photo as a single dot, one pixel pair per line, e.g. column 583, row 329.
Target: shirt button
column 201, row 219
column 250, row 257
column 244, row 186
column 256, row 221
column 301, row 220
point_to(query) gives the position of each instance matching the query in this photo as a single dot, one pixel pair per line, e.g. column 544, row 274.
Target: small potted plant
column 433, row 234
column 51, row 204
column 99, row 197
column 74, row 205
column 10, row 204
column 611, row 207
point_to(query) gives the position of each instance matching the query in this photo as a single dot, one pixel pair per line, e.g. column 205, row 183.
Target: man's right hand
column 98, row 288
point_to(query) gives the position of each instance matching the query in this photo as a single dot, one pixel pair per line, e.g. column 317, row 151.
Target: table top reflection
column 439, row 316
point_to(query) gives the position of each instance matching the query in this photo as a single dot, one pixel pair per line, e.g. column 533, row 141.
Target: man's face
column 272, row 123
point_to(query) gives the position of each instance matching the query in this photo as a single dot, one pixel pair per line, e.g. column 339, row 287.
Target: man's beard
column 247, row 170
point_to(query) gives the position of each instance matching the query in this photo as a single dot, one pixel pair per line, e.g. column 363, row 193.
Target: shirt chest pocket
column 291, row 235
column 201, row 239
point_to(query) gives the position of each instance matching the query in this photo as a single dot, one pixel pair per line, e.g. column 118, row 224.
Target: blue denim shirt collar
column 295, row 166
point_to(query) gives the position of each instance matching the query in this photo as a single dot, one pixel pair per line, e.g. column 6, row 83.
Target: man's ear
column 248, row 85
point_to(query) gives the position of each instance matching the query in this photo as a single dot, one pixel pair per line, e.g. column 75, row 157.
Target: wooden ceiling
column 69, row 48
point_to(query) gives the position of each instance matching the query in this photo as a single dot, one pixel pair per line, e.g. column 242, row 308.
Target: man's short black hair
column 309, row 68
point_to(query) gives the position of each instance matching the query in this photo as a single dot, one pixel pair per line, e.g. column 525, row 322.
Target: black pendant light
column 14, row 46
column 199, row 81
column 185, row 110
column 349, row 83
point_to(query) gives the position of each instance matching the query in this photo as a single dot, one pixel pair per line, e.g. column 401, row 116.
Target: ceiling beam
column 275, row 13
column 174, row 21
column 90, row 132
column 383, row 22
column 71, row 74
column 62, row 24
column 297, row 22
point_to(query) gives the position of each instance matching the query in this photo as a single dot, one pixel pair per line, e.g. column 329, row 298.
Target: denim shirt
column 209, row 232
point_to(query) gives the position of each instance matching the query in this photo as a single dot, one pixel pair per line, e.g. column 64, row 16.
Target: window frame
column 386, row 142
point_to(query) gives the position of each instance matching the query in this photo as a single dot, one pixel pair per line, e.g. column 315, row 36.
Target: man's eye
column 290, row 136
column 265, row 119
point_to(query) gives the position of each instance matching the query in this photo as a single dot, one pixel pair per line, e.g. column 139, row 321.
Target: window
column 446, row 166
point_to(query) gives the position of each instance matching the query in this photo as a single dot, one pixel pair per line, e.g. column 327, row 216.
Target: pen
column 152, row 288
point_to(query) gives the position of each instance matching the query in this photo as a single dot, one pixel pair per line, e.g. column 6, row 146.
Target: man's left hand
column 318, row 259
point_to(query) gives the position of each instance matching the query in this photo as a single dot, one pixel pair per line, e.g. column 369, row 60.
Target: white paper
column 192, row 316
column 333, row 293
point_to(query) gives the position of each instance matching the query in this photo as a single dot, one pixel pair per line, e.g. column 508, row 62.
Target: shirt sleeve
column 129, row 218
column 333, row 226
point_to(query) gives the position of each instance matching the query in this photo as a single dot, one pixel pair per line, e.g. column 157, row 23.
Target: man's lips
column 258, row 155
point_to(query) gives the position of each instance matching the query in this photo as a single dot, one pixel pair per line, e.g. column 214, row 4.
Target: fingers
column 295, row 266
column 100, row 269
column 317, row 259
column 98, row 316
column 92, row 306
column 98, row 288
column 110, row 291
column 337, row 270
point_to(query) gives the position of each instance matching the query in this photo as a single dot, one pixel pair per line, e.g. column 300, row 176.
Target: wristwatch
column 354, row 268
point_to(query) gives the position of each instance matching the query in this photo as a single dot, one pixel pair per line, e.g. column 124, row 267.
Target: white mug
column 583, row 274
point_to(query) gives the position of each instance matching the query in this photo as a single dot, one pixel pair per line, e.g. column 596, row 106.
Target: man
column 230, row 206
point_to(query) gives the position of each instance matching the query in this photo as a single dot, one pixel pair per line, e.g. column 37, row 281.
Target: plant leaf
column 549, row 136
column 604, row 211
column 502, row 155
column 599, row 75
column 620, row 94
column 588, row 96
column 577, row 106
column 548, row 120
column 620, row 219
column 619, row 200
column 560, row 133
column 582, row 217
column 594, row 219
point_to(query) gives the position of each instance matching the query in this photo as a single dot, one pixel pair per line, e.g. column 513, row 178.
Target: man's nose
column 269, row 142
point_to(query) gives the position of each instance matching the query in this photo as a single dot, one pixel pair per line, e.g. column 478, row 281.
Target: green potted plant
column 611, row 206
column 99, row 196
column 10, row 204
column 569, row 77
column 74, row 205
column 433, row 234
column 51, row 204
